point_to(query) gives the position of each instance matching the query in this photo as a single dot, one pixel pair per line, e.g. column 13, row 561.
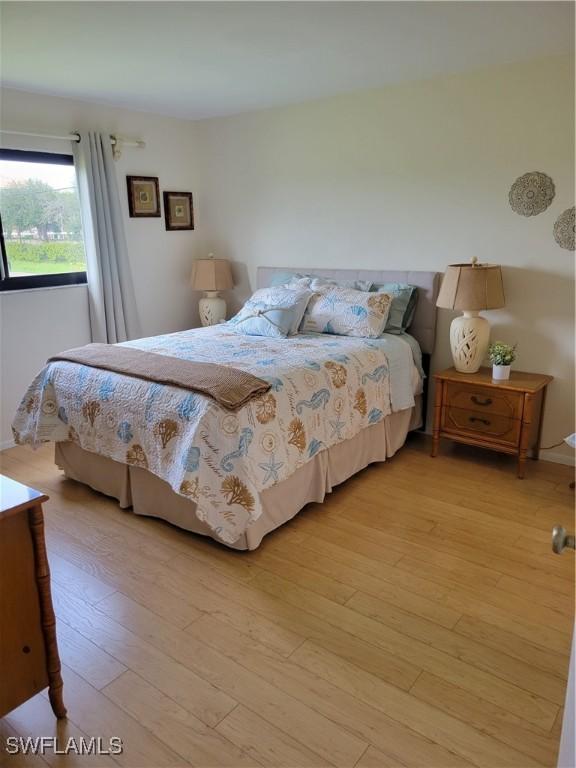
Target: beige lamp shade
column 211, row 275
column 471, row 287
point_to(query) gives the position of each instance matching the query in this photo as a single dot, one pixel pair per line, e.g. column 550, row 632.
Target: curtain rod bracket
column 117, row 146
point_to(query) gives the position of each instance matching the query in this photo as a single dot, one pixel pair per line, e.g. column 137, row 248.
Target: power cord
column 570, row 440
column 549, row 447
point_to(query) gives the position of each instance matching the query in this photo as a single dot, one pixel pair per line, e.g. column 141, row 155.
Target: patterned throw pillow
column 275, row 311
column 346, row 312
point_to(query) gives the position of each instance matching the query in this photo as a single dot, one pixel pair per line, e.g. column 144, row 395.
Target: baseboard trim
column 557, row 458
column 553, row 456
column 5, row 444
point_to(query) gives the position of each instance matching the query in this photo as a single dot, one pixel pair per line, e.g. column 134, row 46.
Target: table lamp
column 472, row 288
column 211, row 276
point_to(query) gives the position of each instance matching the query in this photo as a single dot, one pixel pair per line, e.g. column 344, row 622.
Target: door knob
column 561, row 540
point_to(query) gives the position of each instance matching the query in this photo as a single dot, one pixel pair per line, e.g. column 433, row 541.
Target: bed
column 336, row 405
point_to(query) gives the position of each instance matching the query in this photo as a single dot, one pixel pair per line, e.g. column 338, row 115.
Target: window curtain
column 112, row 304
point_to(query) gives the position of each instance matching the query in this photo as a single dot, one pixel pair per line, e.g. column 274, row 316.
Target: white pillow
column 346, row 312
column 275, row 311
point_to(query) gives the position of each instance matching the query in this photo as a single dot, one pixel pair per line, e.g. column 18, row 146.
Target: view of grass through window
column 41, row 222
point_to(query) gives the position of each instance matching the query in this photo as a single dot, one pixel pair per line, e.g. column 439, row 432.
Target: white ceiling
column 202, row 59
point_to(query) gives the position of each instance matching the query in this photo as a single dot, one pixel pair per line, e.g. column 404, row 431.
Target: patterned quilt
column 325, row 389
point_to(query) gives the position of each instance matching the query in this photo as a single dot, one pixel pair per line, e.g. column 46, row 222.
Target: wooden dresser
column 29, row 657
column 505, row 416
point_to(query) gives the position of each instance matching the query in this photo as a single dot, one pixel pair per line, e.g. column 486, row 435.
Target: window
column 40, row 225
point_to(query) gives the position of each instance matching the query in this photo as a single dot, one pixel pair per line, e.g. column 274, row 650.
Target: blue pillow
column 404, row 299
column 276, row 311
column 281, row 278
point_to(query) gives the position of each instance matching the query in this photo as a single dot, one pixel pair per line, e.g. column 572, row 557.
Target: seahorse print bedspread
column 324, row 389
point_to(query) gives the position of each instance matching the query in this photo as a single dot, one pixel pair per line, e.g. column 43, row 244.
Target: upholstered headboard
column 423, row 327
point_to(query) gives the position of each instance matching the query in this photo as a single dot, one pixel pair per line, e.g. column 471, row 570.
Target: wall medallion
column 531, row 193
column 564, row 228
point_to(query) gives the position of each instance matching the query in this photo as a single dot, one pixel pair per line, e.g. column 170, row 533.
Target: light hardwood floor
column 417, row 618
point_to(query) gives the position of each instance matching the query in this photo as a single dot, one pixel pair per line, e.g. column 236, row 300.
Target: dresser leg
column 536, row 450
column 55, row 683
column 521, row 466
column 55, row 694
column 437, row 418
column 527, row 418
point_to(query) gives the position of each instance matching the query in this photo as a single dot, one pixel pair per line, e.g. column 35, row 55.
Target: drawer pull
column 476, row 400
column 477, row 418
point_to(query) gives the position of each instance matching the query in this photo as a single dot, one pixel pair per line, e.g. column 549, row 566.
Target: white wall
column 413, row 176
column 409, row 176
column 35, row 325
column 42, row 322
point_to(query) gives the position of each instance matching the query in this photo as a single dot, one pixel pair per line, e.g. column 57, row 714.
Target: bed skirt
column 150, row 496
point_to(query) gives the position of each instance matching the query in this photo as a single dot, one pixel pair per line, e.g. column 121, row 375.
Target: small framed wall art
column 178, row 210
column 143, row 196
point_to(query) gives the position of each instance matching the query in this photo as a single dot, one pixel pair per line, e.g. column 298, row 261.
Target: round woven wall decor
column 564, row 229
column 531, row 193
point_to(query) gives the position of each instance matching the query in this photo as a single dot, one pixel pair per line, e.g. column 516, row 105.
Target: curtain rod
column 76, row 137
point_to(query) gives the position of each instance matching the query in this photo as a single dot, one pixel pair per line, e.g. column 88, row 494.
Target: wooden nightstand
column 505, row 416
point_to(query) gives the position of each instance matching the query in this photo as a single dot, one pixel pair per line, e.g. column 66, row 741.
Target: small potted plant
column 501, row 356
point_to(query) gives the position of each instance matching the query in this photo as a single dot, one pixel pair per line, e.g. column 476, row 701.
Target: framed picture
column 143, row 196
column 178, row 211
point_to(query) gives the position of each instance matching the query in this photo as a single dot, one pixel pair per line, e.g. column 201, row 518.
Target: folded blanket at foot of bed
column 229, row 387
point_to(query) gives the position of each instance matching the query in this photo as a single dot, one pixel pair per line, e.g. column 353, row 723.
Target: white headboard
column 423, row 327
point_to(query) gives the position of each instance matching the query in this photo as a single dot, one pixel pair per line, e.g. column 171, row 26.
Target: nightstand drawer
column 490, row 425
column 495, row 402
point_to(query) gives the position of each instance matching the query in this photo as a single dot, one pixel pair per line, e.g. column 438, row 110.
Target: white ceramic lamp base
column 212, row 309
column 469, row 337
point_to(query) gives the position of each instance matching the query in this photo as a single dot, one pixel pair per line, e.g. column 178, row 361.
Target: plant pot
column 500, row 372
